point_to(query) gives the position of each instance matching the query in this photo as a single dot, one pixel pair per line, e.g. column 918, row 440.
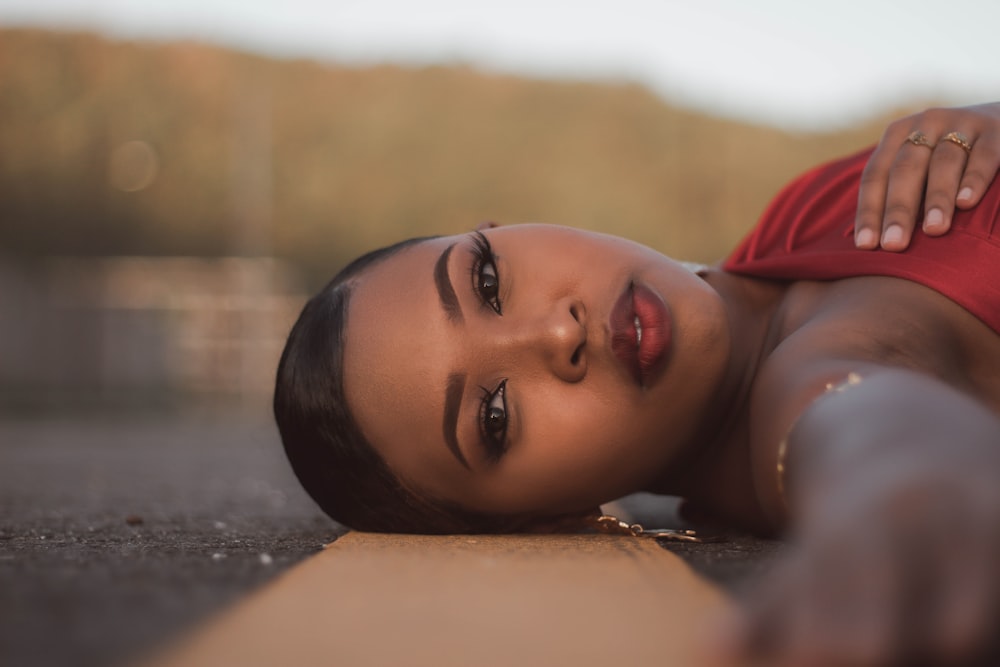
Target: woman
column 515, row 378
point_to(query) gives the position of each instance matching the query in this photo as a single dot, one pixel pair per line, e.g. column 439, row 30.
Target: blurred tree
column 317, row 163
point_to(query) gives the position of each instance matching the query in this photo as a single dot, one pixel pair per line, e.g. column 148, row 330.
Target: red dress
column 807, row 233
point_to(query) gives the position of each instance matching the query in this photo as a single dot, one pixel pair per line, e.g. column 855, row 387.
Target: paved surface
column 118, row 535
column 461, row 600
column 83, row 582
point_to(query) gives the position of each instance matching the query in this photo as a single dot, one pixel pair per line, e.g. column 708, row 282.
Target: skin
column 581, row 430
column 907, row 458
column 909, row 188
column 897, row 536
column 891, row 500
column 582, row 433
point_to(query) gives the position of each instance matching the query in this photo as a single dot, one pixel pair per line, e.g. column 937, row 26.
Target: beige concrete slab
column 468, row 600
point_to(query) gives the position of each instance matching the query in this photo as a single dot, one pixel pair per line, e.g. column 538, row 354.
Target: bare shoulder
column 829, row 332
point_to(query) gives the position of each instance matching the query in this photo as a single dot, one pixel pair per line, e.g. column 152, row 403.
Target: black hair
column 329, row 454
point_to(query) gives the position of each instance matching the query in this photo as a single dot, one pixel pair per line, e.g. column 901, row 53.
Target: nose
column 555, row 337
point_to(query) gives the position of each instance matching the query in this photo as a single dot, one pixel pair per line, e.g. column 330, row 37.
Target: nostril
column 575, row 359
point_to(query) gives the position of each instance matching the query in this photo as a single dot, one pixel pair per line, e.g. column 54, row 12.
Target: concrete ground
column 118, row 535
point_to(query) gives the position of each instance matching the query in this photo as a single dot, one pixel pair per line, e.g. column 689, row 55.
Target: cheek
column 601, row 419
column 582, row 450
column 571, row 417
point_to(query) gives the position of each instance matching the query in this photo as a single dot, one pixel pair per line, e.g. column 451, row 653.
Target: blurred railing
column 143, row 332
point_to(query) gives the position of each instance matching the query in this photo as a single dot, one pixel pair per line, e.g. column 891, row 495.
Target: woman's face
column 547, row 373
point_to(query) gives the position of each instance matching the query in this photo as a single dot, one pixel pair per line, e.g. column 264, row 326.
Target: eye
column 485, row 279
column 493, row 421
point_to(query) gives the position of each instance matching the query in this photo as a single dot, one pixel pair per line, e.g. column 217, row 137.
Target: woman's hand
column 893, row 572
column 896, row 537
column 943, row 157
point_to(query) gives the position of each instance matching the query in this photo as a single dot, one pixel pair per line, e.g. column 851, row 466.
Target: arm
column 933, row 171
column 894, row 489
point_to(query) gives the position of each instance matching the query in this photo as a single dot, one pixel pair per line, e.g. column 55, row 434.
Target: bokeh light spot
column 134, row 166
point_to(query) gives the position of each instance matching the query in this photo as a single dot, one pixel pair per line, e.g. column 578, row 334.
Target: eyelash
column 485, row 260
column 494, row 435
column 494, row 403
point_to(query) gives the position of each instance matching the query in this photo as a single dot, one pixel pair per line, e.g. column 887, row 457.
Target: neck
column 717, row 462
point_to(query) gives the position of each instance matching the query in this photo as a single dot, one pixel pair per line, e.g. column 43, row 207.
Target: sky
column 792, row 63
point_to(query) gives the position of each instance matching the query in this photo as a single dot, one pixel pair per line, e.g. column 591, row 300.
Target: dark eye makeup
column 493, row 421
column 493, row 407
column 485, row 278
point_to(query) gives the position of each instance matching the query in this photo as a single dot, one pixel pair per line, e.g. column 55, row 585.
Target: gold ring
column 918, row 138
column 958, row 139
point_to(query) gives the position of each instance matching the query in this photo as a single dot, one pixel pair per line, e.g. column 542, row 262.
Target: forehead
column 397, row 355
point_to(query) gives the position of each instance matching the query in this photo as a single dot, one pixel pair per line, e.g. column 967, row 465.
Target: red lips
column 640, row 332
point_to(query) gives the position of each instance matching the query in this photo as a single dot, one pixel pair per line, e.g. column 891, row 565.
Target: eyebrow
column 449, row 301
column 452, row 403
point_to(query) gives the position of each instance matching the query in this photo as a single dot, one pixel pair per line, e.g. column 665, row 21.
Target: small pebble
column 265, row 559
column 217, row 556
column 220, row 525
column 134, row 520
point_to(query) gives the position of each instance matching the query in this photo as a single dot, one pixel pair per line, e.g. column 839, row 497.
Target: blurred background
column 176, row 177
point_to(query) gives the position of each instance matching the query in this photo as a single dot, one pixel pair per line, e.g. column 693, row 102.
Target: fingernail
column 965, row 193
column 934, row 219
column 893, row 234
column 865, row 238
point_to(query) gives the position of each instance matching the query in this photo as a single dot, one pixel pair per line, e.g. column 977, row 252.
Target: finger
column 966, row 609
column 871, row 197
column 724, row 642
column 944, row 173
column 945, row 559
column 845, row 613
column 963, row 626
column 757, row 631
column 983, row 163
column 907, row 179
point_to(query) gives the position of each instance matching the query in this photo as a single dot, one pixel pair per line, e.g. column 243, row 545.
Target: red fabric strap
column 807, row 233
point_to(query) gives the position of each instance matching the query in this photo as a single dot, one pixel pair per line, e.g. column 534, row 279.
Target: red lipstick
column 640, row 332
